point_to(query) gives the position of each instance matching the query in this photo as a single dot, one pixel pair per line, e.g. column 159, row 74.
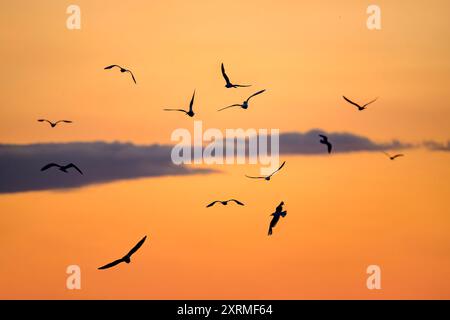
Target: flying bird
column 224, row 202
column 190, row 113
column 127, row 257
column 53, row 124
column 269, row 176
column 276, row 216
column 229, row 84
column 394, row 156
column 122, row 70
column 62, row 168
column 325, row 141
column 360, row 108
column 244, row 104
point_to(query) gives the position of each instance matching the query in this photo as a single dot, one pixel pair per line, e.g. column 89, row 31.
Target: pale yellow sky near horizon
column 345, row 211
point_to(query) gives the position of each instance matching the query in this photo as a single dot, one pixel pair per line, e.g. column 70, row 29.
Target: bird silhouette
column 190, row 113
column 126, row 258
column 244, row 104
column 360, row 108
column 394, row 156
column 224, row 202
column 228, row 83
column 276, row 216
column 269, row 176
column 122, row 70
column 53, row 124
column 62, row 168
column 325, row 141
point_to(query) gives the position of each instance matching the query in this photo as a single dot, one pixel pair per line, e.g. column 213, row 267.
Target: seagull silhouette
column 121, row 70
column 360, row 108
column 62, row 168
column 244, row 104
column 325, row 141
column 276, row 216
column 224, row 202
column 127, row 257
column 229, row 84
column 190, row 113
column 53, row 124
column 269, row 176
column 394, row 156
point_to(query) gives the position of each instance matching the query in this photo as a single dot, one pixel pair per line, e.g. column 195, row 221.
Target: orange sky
column 345, row 212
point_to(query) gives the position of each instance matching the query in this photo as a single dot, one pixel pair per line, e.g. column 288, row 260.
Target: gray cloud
column 100, row 162
column 104, row 162
column 437, row 146
column 308, row 143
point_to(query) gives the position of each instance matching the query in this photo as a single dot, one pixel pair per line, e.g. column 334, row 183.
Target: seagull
column 62, row 168
column 244, row 104
column 360, row 108
column 126, row 258
column 276, row 216
column 224, row 202
column 267, row 177
column 53, row 124
column 394, row 156
column 121, row 70
column 190, row 113
column 229, row 84
column 324, row 140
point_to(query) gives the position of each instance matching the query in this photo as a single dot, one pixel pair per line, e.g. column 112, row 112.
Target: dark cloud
column 103, row 162
column 308, row 143
column 437, row 146
column 100, row 162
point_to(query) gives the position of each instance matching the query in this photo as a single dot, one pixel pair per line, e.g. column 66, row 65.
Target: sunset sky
column 346, row 211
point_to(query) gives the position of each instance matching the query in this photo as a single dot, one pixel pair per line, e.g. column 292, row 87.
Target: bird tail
column 270, row 231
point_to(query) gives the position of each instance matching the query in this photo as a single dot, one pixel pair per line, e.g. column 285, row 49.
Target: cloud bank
column 437, row 146
column 308, row 143
column 100, row 162
column 105, row 162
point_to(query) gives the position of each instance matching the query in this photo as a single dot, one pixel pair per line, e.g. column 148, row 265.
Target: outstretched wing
column 398, row 155
column 233, row 105
column 176, row 110
column 350, row 101
column 50, row 165
column 65, row 121
column 110, row 265
column 282, row 165
column 370, row 102
column 132, row 76
column 237, row 201
column 255, row 177
column 255, row 94
column 71, row 165
column 44, row 120
column 191, row 104
column 330, row 147
column 136, row 247
column 112, row 66
column 387, row 154
column 212, row 203
column 225, row 75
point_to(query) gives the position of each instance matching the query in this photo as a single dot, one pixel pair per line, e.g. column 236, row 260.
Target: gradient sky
column 345, row 211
